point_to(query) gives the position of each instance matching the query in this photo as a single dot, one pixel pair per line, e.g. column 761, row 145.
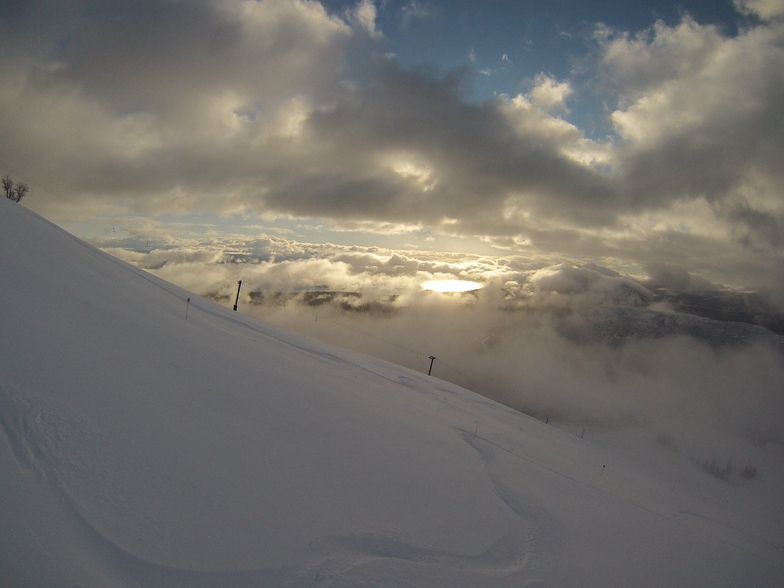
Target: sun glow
column 451, row 286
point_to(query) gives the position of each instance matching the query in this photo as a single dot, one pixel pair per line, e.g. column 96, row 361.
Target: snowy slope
column 141, row 448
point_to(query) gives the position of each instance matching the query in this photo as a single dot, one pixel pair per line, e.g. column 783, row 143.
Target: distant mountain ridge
column 739, row 307
column 616, row 324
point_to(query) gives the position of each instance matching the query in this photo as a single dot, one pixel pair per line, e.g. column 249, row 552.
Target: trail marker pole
column 187, row 306
column 432, row 359
column 237, row 300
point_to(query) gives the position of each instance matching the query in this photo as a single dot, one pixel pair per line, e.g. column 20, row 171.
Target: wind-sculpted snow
column 141, row 448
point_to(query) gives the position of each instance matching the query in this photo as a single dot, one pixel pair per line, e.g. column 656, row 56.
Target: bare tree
column 20, row 191
column 14, row 192
column 8, row 187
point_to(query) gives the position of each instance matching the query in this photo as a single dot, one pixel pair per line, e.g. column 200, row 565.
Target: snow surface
column 141, row 448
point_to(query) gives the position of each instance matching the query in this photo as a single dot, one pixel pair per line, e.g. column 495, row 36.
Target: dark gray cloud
column 434, row 156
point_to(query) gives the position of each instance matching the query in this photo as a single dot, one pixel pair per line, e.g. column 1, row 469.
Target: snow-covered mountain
column 615, row 324
column 151, row 440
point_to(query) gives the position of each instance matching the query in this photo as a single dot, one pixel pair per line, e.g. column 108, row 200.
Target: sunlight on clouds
column 662, row 54
column 549, row 94
column 595, row 154
column 676, row 78
column 656, row 115
column 515, row 244
column 265, row 20
column 451, row 286
column 529, row 114
column 531, row 120
column 374, row 227
column 636, row 125
column 364, row 14
column 408, row 167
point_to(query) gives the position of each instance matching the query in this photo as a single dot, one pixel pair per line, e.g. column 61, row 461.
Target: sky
column 386, row 143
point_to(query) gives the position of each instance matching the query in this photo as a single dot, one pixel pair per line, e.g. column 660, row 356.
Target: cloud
column 280, row 107
column 124, row 100
column 415, row 11
column 669, row 277
column 247, row 102
column 522, row 340
column 273, row 264
column 765, row 9
column 549, row 94
column 364, row 15
column 586, row 287
column 699, row 121
column 407, row 148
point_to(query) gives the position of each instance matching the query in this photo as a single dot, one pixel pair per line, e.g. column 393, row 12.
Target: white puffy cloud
column 549, row 94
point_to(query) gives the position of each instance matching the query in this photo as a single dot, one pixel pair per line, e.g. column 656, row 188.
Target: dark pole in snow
column 432, row 359
column 237, row 300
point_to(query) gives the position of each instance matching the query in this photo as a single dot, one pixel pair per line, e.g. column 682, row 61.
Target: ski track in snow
column 732, row 536
column 38, row 429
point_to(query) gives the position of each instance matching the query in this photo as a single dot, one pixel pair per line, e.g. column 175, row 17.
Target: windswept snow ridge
column 141, row 448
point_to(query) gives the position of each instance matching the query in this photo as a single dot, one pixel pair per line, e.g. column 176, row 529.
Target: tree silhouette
column 20, row 191
column 14, row 192
column 8, row 187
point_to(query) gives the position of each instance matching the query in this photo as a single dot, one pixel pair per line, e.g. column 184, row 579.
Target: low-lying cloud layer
column 283, row 107
column 714, row 397
column 583, row 346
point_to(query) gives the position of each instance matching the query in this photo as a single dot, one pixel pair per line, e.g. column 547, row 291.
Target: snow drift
column 143, row 448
